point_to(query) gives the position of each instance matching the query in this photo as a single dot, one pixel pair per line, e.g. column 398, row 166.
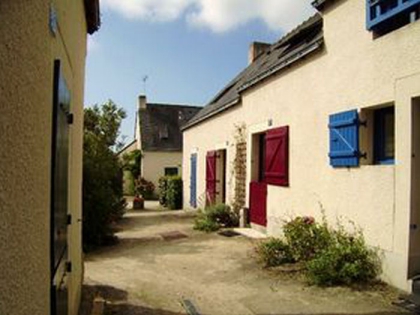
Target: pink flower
column 308, row 220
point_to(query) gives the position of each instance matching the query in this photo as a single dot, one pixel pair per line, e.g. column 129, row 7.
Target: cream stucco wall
column 154, row 163
column 27, row 55
column 354, row 71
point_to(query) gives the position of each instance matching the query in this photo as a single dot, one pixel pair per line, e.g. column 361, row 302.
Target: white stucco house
column 158, row 136
column 327, row 119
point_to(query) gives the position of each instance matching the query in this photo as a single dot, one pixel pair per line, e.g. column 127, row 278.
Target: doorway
column 59, row 193
column 216, row 177
column 414, row 249
column 193, row 180
column 258, row 185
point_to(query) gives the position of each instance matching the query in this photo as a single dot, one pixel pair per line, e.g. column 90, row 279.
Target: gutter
column 211, row 114
column 292, row 59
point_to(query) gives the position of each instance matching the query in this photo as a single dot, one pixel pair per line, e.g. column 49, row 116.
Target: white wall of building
column 354, row 71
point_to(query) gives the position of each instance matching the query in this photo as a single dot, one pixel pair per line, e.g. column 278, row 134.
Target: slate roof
column 300, row 42
column 122, row 151
column 93, row 15
column 160, row 126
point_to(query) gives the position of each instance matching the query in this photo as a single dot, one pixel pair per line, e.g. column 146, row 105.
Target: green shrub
column 174, row 193
column 132, row 162
column 203, row 223
column 223, row 215
column 332, row 257
column 306, row 237
column 215, row 217
column 274, row 252
column 163, row 190
column 103, row 201
column 346, row 260
column 145, row 188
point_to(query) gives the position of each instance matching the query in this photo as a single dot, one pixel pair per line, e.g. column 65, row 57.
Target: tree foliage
column 103, row 201
column 132, row 162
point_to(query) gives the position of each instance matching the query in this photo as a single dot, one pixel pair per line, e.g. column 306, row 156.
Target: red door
column 258, row 203
column 211, row 177
column 274, row 170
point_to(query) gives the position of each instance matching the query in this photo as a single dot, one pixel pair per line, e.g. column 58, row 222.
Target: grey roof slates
column 156, row 118
column 304, row 39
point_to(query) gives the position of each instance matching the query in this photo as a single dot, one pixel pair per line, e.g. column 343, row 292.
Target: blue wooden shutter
column 344, row 139
column 193, row 181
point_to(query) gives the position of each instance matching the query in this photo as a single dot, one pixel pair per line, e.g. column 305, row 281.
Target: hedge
column 174, row 192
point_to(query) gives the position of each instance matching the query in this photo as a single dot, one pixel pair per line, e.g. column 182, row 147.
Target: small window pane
column 171, row 171
column 384, row 135
column 389, row 134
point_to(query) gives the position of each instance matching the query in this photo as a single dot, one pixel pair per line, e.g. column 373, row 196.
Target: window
column 163, row 132
column 384, row 16
column 171, row 171
column 365, row 139
column 384, row 135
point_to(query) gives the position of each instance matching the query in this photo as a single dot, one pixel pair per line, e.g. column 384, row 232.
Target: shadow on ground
column 116, row 302
column 142, row 218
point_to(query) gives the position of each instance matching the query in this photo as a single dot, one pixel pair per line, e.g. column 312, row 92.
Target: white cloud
column 152, row 10
column 92, row 44
column 217, row 15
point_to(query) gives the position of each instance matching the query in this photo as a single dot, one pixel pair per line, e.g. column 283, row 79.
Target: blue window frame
column 384, row 16
column 384, row 136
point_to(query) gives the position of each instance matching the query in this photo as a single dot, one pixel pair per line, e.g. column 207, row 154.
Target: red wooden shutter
column 211, row 177
column 277, row 156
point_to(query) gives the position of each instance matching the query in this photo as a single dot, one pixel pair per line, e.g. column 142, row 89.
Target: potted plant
column 138, row 202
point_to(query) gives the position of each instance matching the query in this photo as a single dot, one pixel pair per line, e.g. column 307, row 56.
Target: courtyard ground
column 160, row 262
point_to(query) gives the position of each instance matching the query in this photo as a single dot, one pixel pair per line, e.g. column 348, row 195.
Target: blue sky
column 189, row 49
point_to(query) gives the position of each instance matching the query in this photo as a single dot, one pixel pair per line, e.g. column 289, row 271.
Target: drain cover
column 228, row 233
column 174, row 235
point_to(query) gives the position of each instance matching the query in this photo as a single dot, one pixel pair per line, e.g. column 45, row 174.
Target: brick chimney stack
column 142, row 102
column 256, row 49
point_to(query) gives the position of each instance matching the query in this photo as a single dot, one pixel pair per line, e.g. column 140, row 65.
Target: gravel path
column 160, row 262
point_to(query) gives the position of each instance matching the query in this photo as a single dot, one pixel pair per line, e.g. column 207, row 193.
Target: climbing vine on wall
column 239, row 168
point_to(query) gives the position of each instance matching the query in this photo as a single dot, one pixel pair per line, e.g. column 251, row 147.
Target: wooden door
column 258, row 203
column 211, row 177
column 193, row 181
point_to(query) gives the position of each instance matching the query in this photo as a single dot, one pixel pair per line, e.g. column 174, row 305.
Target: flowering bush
column 306, row 237
column 331, row 256
column 144, row 188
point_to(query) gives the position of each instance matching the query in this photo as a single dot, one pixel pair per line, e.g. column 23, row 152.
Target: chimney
column 142, row 102
column 256, row 49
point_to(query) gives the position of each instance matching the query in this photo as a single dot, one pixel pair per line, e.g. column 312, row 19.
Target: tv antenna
column 145, row 78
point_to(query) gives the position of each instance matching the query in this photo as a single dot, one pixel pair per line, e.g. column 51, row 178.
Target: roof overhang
column 93, row 16
column 122, row 151
column 320, row 4
column 211, row 114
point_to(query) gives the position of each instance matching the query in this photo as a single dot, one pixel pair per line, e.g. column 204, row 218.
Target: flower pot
column 138, row 203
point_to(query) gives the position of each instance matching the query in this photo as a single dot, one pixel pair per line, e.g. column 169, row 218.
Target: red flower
column 308, row 220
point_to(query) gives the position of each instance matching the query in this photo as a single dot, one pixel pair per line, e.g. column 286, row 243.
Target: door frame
column 414, row 226
column 59, row 265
